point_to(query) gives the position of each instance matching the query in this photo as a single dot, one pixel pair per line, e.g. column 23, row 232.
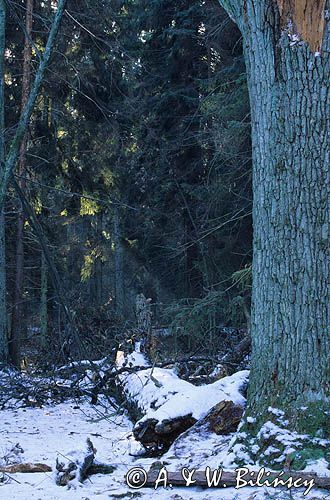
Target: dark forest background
column 138, row 167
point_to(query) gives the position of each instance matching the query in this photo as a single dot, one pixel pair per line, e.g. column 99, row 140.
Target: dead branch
column 25, row 468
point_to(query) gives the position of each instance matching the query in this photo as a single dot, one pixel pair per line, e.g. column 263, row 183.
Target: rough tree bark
column 3, row 309
column 15, row 343
column 287, row 53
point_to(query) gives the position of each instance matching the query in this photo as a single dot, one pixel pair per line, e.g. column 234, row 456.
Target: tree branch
column 26, row 114
column 233, row 9
column 52, row 268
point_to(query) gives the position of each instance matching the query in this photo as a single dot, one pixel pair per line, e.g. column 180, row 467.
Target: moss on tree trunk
column 290, row 112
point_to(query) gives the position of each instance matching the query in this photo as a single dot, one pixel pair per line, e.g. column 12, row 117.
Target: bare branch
column 11, row 159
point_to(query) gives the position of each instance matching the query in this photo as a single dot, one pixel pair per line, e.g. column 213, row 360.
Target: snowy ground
column 54, row 431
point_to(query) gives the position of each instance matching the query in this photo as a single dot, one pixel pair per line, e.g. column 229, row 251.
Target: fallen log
column 25, row 468
column 222, row 419
column 157, row 437
column 164, row 406
column 234, row 357
column 222, row 479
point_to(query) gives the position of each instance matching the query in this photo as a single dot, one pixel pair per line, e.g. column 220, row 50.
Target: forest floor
column 54, row 431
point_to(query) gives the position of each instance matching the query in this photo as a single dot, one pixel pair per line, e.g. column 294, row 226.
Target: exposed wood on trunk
column 307, row 17
column 290, row 102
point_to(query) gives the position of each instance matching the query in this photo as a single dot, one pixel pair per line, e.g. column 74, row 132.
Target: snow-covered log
column 164, row 405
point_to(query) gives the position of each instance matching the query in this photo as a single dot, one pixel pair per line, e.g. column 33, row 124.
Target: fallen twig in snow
column 80, row 465
column 25, row 468
column 77, row 466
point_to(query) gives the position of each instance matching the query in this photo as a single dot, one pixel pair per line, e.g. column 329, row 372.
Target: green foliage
column 294, row 437
column 314, row 420
column 301, row 458
column 242, row 279
column 144, row 109
column 199, row 323
column 197, row 319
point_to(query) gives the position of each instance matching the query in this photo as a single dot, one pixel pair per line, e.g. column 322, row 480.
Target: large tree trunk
column 3, row 309
column 15, row 345
column 288, row 65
